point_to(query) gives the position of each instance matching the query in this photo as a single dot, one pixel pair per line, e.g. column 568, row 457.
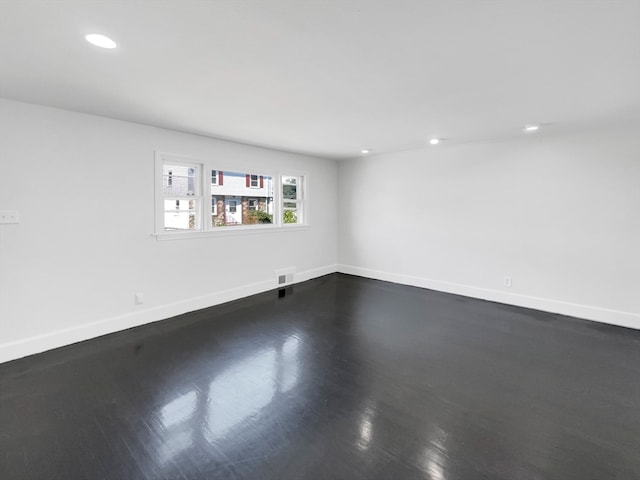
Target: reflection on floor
column 341, row 378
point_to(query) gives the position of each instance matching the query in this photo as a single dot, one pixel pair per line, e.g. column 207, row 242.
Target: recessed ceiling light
column 434, row 141
column 364, row 151
column 100, row 41
column 531, row 128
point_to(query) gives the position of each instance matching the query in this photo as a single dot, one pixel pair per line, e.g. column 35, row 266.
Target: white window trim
column 205, row 187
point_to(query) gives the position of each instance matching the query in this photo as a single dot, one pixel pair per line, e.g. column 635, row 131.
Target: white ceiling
column 329, row 77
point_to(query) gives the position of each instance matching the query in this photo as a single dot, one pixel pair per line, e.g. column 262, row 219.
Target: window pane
column 290, row 215
column 242, row 199
column 179, row 180
column 181, row 215
column 289, row 188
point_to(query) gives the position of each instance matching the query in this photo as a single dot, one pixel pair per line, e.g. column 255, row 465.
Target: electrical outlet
column 139, row 298
column 9, row 216
column 507, row 281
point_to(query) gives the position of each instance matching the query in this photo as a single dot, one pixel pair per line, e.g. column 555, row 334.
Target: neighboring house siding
column 235, row 184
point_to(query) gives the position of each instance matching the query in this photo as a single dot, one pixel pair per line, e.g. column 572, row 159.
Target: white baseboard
column 588, row 312
column 59, row 338
column 47, row 341
column 315, row 273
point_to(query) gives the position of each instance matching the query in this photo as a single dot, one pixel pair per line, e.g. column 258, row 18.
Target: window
column 247, row 198
column 292, row 199
column 185, row 188
column 181, row 196
column 217, row 177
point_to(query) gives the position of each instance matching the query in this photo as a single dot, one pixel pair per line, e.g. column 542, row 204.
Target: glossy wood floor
column 342, row 378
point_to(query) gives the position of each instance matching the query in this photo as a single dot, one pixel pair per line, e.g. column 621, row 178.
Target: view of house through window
column 241, row 199
column 236, row 198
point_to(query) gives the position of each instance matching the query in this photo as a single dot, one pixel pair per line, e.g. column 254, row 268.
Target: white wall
column 559, row 214
column 84, row 188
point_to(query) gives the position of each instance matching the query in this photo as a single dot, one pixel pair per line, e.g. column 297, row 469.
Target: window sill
column 229, row 232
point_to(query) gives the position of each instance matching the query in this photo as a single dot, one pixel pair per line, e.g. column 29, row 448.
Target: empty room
column 304, row 239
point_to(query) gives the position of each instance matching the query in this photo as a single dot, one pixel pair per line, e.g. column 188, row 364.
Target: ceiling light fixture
column 531, row 128
column 434, row 141
column 364, row 151
column 100, row 41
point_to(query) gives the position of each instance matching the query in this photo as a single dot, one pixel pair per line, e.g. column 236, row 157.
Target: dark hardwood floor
column 342, row 378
